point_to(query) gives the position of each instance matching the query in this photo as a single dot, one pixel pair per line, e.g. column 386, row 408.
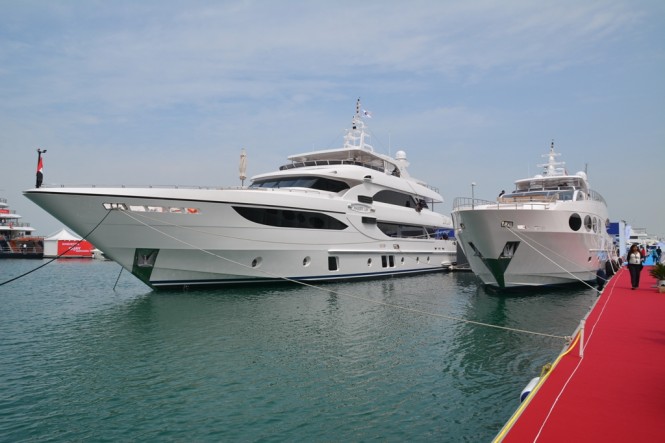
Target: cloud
column 182, row 87
column 127, row 56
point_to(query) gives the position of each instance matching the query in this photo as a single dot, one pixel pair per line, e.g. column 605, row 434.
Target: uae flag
column 40, row 170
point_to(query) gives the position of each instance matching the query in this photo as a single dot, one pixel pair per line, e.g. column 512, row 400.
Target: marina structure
column 337, row 214
column 551, row 229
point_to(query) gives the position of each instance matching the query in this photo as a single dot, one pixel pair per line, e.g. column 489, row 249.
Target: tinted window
column 320, row 183
column 394, row 198
column 286, row 218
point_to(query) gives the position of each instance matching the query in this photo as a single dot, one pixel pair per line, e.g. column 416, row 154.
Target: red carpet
column 616, row 391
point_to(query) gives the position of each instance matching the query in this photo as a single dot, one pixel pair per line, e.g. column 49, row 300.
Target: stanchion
column 582, row 338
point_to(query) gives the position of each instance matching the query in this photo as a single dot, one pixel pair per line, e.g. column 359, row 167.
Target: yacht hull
column 509, row 247
column 197, row 237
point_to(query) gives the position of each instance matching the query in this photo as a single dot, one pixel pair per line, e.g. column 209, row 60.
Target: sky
column 168, row 92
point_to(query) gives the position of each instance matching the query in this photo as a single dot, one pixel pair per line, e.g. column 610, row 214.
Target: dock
column 609, row 383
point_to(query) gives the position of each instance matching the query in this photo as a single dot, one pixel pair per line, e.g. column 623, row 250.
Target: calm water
column 80, row 362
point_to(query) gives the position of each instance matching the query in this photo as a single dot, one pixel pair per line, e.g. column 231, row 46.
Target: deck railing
column 467, row 202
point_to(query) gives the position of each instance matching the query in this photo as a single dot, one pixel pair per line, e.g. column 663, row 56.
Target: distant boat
column 337, row 214
column 552, row 229
column 98, row 254
column 640, row 237
column 16, row 239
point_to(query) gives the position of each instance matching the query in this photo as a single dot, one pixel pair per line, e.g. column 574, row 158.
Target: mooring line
column 60, row 255
column 337, row 292
column 555, row 263
column 199, row 231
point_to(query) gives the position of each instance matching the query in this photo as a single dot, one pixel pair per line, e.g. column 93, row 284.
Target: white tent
column 66, row 244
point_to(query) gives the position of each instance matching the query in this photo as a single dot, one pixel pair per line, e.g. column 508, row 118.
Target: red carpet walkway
column 616, row 391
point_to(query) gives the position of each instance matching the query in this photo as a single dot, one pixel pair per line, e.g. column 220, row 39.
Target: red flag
column 40, row 168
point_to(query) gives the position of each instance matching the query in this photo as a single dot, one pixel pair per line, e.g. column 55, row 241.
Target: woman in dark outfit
column 634, row 265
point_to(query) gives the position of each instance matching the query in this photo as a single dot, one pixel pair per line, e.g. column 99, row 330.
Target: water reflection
column 371, row 360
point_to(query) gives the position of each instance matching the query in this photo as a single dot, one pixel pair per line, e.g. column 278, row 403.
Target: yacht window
column 320, row 183
column 587, row 223
column 394, row 198
column 285, row 218
column 575, row 222
column 333, row 263
column 566, row 195
column 387, row 261
column 288, row 183
column 402, row 231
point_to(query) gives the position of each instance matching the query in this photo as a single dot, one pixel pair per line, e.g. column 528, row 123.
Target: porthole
column 369, row 262
column 587, row 222
column 401, row 260
column 256, row 262
column 418, row 260
column 428, row 260
column 575, row 222
column 306, row 261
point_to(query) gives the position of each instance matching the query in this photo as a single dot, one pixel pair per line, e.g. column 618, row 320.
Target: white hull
column 551, row 230
column 548, row 252
column 336, row 214
column 216, row 246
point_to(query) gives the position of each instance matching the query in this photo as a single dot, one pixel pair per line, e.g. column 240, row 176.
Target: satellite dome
column 400, row 155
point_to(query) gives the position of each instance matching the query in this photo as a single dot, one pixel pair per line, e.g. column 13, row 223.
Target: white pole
column 582, row 338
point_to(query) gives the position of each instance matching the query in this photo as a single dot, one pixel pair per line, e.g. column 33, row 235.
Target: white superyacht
column 344, row 213
column 551, row 230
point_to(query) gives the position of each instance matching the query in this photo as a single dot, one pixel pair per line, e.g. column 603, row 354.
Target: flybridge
column 355, row 151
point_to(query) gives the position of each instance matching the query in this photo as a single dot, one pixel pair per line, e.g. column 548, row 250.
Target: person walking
column 635, row 260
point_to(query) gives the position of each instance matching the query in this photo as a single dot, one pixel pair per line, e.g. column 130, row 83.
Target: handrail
column 539, row 198
column 143, row 186
column 328, row 163
column 467, row 202
column 15, row 225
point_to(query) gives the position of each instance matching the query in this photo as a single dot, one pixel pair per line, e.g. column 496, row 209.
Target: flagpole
column 40, row 167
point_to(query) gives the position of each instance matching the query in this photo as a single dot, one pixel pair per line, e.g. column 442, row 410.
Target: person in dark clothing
column 610, row 268
column 601, row 279
column 635, row 259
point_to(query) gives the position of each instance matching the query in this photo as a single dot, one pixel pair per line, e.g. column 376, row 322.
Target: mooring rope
column 60, row 255
column 200, row 231
column 337, row 292
column 522, row 238
column 280, row 277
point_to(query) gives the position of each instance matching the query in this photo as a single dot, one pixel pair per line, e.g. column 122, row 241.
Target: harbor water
column 402, row 359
